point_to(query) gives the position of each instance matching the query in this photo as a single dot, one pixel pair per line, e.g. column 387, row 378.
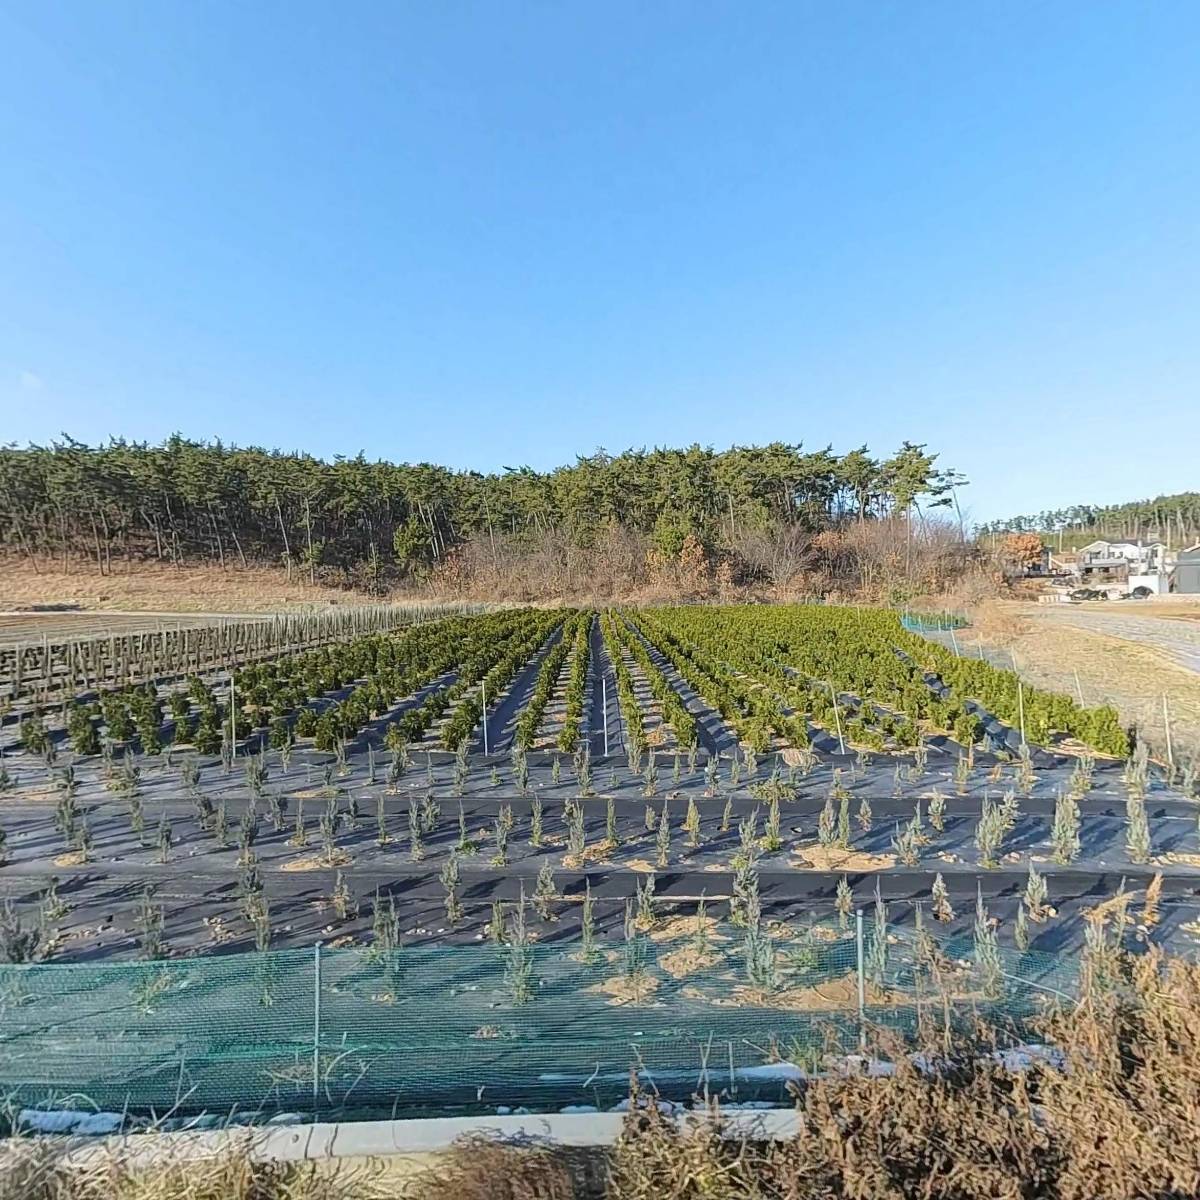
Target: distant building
column 1115, row 562
column 1186, row 577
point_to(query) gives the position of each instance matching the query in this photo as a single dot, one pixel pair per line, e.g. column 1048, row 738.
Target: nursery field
column 546, row 843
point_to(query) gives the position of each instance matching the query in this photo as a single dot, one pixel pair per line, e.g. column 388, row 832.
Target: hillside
column 1174, row 519
column 671, row 521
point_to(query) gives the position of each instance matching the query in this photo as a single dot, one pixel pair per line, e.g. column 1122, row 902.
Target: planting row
column 765, row 669
column 777, row 677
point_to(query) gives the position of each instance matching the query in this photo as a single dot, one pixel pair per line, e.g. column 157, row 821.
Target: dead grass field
column 167, row 589
column 1105, row 669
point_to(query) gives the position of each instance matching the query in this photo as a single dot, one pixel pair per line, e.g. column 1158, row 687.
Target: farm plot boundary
column 47, row 670
column 446, row 1029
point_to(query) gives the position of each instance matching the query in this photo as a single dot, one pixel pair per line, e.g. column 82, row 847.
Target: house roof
column 1141, row 543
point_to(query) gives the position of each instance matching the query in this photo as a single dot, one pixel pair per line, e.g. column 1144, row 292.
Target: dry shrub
column 874, row 560
column 478, row 1169
column 997, row 623
column 35, row 1169
column 1115, row 1120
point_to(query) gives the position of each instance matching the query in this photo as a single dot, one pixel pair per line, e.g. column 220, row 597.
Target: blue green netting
column 436, row 1029
column 922, row 622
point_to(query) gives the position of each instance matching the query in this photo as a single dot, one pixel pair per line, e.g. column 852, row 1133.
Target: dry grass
column 152, row 588
column 37, row 1170
column 1108, row 670
column 482, row 1170
column 1118, row 1123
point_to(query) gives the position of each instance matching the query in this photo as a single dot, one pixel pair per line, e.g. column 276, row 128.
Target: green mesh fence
column 924, row 622
column 437, row 1029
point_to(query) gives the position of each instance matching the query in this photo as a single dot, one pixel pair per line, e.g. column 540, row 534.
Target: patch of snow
column 669, row 1107
column 781, row 1070
column 856, row 1064
column 65, row 1121
column 579, row 1108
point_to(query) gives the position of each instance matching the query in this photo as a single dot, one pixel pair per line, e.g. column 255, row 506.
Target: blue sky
column 498, row 233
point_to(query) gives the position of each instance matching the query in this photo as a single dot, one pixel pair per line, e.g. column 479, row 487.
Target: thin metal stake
column 604, row 707
column 316, row 1054
column 837, row 716
column 862, row 982
column 483, row 701
column 1167, row 727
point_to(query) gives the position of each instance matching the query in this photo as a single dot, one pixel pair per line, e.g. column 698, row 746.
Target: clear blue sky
column 502, row 233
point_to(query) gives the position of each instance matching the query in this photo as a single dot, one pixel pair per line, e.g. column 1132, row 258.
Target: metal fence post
column 316, row 1052
column 483, row 710
column 862, row 982
column 1167, row 730
column 604, row 708
column 838, row 718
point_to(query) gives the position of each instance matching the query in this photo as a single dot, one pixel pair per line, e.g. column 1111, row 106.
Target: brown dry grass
column 36, row 1170
column 479, row 1169
column 151, row 588
column 1118, row 1123
column 1108, row 670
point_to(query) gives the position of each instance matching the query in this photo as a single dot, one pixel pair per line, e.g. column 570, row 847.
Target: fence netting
column 427, row 1030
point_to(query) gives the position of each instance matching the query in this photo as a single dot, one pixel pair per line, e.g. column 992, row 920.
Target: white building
column 1116, row 562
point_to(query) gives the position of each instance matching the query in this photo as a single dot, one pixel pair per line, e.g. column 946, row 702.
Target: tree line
column 1174, row 519
column 186, row 501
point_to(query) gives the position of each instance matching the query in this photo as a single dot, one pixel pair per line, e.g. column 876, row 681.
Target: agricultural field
column 515, row 832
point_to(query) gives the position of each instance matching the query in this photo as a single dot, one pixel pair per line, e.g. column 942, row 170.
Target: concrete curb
column 375, row 1139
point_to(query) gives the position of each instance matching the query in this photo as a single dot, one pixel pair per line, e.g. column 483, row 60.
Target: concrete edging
column 374, row 1139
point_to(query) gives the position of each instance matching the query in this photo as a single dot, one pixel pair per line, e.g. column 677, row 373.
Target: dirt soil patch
column 687, row 960
column 832, row 858
column 598, row 852
column 317, row 862
column 620, row 989
column 641, row 864
column 681, row 927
